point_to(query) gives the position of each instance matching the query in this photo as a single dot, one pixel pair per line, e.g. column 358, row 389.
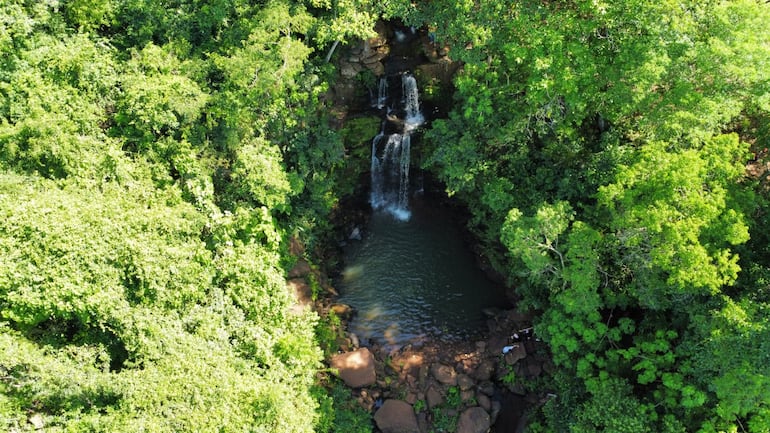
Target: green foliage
column 346, row 415
column 604, row 147
column 153, row 158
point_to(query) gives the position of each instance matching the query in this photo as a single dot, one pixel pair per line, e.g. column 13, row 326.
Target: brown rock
column 433, row 397
column 347, row 70
column 343, row 311
column 444, row 374
column 396, row 416
column 464, row 382
column 516, row 354
column 377, row 69
column 467, row 395
column 484, row 401
column 300, row 269
column 534, row 369
column 487, row 388
column 484, row 371
column 355, row 368
column 474, row 420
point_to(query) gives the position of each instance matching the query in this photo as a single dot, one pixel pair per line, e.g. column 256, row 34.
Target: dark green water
column 415, row 280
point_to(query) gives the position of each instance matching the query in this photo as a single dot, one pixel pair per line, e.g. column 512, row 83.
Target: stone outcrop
column 396, row 416
column 355, row 368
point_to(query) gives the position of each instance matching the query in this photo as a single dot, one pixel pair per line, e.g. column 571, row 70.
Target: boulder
column 464, row 382
column 344, row 311
column 473, row 420
column 396, row 416
column 484, row 371
column 433, row 397
column 355, row 368
column 444, row 374
column 300, row 269
column 515, row 354
column 301, row 290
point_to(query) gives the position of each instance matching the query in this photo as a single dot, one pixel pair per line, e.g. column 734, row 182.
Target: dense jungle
column 165, row 164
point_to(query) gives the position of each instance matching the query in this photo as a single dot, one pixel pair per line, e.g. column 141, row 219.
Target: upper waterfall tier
column 391, row 150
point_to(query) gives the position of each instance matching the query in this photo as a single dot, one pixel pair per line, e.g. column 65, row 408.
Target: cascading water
column 391, row 151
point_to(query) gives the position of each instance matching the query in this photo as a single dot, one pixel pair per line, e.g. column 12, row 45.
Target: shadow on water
column 416, row 280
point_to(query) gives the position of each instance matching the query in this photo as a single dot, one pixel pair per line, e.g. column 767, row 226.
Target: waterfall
column 390, row 151
column 382, row 93
column 414, row 117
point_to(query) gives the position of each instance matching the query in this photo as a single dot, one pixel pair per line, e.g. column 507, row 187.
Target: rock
column 355, row 368
column 347, row 70
column 516, row 354
column 444, row 374
column 354, row 340
column 484, row 371
column 377, row 69
column 343, row 311
column 396, row 416
column 464, row 382
column 484, row 401
column 534, row 369
column 433, row 397
column 487, row 388
column 355, row 234
column 301, row 291
column 473, row 420
column 495, row 411
column 37, row 421
column 467, row 395
column 300, row 269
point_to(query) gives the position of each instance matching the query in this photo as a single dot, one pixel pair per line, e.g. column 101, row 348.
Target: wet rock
column 355, row 234
column 474, row 420
column 355, row 368
column 347, row 70
column 396, row 416
column 444, row 374
column 464, row 382
column 343, row 311
column 377, row 69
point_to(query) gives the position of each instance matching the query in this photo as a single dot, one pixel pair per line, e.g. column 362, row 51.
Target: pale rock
column 355, row 368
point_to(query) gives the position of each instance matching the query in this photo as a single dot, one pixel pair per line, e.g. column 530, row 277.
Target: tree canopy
column 157, row 156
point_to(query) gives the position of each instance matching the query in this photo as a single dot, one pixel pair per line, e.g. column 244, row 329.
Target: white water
column 391, row 152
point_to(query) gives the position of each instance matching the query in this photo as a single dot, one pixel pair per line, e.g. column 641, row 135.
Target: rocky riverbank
column 464, row 387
